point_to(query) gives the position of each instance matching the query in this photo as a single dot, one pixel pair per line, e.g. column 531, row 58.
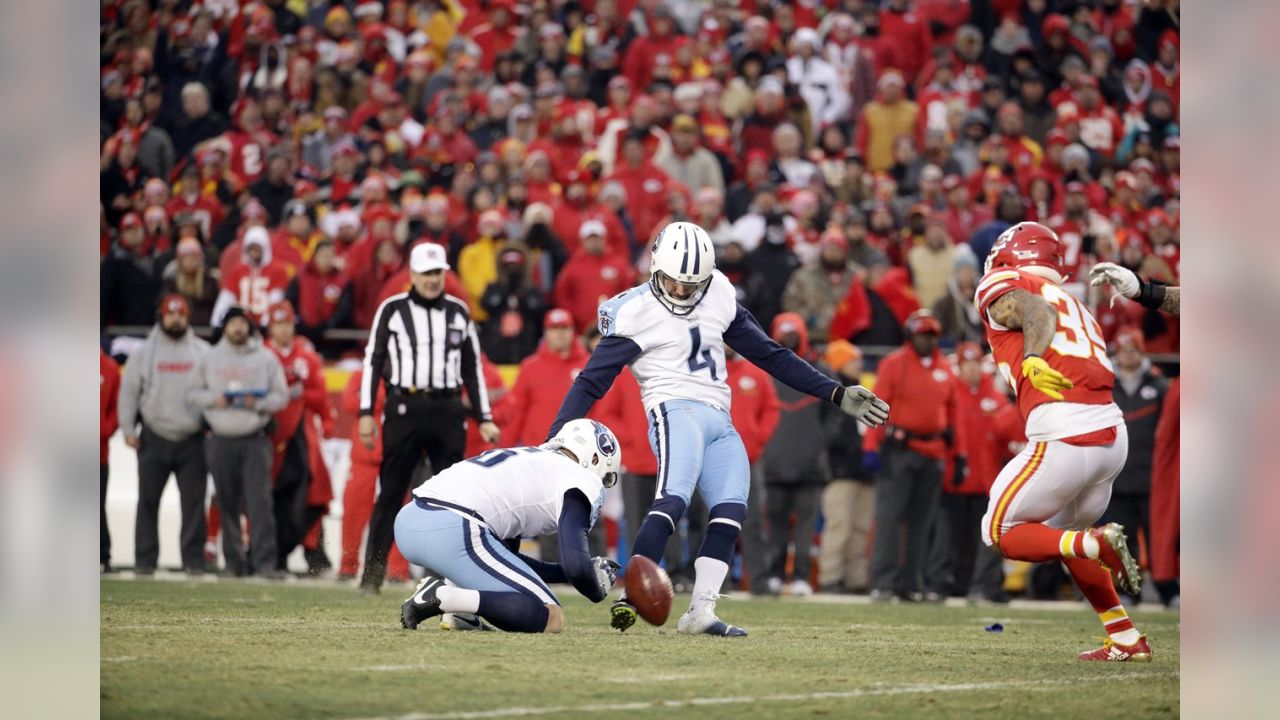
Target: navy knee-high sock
column 657, row 527
column 513, row 611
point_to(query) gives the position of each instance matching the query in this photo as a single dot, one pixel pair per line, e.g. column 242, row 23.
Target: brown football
column 649, row 590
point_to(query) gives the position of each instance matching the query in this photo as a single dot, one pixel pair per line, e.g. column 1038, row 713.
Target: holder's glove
column 1044, row 378
column 863, row 404
column 606, row 572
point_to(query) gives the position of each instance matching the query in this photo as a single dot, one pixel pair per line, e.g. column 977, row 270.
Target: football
column 649, row 590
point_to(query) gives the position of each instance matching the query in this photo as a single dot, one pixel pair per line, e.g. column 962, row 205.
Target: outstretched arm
column 749, row 340
column 1147, row 293
column 575, row 557
column 610, row 356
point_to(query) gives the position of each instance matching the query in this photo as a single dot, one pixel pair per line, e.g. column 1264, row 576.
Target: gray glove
column 864, row 405
column 606, row 572
column 1122, row 279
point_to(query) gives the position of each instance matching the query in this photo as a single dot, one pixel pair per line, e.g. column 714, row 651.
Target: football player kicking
column 1045, row 501
column 459, row 519
column 671, row 331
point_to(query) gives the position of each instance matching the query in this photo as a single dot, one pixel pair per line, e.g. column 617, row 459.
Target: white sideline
column 745, row 699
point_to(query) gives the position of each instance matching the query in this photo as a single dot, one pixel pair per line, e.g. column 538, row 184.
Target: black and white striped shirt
column 420, row 344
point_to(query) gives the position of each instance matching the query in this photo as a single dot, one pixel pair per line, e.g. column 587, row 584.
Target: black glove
column 960, row 470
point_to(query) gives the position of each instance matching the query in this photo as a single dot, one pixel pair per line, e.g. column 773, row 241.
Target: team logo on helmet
column 604, row 440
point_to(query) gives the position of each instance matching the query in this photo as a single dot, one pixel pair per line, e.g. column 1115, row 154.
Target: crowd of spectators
column 853, row 160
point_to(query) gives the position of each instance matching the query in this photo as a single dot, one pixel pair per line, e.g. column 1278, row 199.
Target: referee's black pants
column 412, row 425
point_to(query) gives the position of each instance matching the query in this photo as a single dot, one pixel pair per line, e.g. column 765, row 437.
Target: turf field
column 300, row 650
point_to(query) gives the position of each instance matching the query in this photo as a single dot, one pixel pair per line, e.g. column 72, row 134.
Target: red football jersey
column 1077, row 350
column 256, row 288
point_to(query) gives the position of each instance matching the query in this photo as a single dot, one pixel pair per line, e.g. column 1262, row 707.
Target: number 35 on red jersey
column 1077, row 350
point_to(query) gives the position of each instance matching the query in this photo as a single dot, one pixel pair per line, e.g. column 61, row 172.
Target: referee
column 424, row 346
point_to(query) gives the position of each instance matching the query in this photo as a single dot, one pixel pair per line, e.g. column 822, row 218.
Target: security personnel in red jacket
column 959, row 561
column 912, row 449
column 108, row 422
column 544, row 380
column 362, row 481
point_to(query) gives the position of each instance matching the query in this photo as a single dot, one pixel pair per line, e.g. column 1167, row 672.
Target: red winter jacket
column 351, row 406
column 302, row 366
column 319, row 294
column 646, row 188
column 544, row 380
column 623, row 412
column 991, row 423
column 586, row 281
column 755, row 409
column 910, row 33
column 921, row 401
column 109, row 394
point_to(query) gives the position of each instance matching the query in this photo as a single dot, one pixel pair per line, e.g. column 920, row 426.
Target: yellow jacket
column 881, row 124
column 477, row 267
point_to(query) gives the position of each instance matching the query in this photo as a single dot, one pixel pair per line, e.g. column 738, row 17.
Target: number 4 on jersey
column 700, row 357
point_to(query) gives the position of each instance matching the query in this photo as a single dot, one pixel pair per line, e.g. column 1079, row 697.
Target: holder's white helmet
column 595, row 446
column 684, row 255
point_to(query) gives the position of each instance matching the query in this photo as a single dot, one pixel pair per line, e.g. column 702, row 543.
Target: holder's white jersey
column 681, row 357
column 517, row 492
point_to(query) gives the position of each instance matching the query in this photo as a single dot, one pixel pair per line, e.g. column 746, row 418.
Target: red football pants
column 357, row 508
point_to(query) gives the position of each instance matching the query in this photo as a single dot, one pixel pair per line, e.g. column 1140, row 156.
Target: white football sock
column 458, row 600
column 708, row 577
column 1126, row 637
column 1091, row 548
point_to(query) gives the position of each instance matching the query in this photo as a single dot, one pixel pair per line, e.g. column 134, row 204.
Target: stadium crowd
column 853, row 160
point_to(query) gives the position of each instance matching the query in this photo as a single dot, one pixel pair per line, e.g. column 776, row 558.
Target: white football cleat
column 701, row 620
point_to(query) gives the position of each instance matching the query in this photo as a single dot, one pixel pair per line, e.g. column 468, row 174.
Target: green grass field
column 298, row 650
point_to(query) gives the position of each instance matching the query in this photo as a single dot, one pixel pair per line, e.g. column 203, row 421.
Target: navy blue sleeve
column 575, row 557
column 549, row 572
column 610, row 356
column 749, row 340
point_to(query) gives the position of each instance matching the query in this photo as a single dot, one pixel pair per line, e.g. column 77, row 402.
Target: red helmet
column 1028, row 245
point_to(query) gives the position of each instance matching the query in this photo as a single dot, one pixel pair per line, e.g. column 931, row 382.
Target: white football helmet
column 685, row 255
column 595, row 446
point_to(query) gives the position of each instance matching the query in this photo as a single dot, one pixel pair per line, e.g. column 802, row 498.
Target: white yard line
column 915, row 689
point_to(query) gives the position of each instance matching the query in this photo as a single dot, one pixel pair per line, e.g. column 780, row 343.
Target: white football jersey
column 519, row 492
column 681, row 357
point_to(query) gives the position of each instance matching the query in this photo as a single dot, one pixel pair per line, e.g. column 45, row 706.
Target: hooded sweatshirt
column 156, row 379
column 233, row 371
column 254, row 287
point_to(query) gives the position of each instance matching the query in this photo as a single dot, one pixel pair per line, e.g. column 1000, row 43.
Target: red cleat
column 1113, row 553
column 1112, row 651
